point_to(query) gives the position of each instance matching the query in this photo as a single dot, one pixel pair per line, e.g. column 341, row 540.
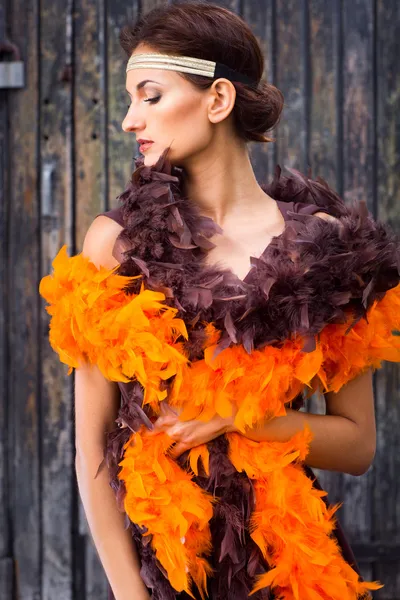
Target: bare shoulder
column 99, row 241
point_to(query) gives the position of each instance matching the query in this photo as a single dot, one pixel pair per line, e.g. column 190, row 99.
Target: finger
column 163, row 422
column 155, row 429
column 178, row 449
column 159, row 425
column 174, row 431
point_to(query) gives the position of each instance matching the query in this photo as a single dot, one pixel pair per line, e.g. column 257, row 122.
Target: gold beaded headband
column 186, row 64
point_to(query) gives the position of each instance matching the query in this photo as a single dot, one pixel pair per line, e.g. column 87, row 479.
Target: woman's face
column 169, row 111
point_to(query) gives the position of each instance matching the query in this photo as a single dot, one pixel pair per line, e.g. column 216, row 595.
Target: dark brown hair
column 210, row 32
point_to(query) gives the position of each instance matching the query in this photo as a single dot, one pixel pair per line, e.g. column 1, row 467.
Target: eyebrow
column 143, row 83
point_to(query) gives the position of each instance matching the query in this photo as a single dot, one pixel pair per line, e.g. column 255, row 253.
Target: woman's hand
column 188, row 434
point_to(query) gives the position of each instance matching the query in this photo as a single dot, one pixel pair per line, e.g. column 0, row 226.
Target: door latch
column 11, row 71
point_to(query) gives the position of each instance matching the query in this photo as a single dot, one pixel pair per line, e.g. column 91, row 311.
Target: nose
column 132, row 122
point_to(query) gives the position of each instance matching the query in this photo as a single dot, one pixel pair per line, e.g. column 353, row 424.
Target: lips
column 144, row 145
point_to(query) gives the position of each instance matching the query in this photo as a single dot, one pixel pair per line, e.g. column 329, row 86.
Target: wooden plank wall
column 64, row 158
column 6, row 563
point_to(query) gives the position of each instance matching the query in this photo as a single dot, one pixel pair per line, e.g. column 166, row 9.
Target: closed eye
column 153, row 100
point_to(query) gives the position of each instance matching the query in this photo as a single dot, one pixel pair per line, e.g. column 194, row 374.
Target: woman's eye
column 153, row 100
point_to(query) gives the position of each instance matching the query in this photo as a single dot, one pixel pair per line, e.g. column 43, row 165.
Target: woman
column 189, row 222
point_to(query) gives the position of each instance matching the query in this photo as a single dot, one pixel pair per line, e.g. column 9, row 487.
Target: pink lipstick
column 144, row 145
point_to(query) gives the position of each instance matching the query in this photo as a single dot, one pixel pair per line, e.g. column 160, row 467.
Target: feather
column 318, row 307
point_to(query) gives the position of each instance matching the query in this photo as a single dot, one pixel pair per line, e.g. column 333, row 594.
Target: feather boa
column 320, row 306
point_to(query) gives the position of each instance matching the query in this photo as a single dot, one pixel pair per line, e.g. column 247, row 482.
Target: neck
column 221, row 181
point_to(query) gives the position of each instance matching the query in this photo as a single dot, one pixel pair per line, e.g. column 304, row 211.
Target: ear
column 222, row 96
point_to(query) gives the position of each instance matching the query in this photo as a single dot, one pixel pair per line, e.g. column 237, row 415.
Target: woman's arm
column 96, row 407
column 344, row 439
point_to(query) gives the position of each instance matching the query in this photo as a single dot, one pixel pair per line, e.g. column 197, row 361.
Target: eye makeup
column 153, row 100
column 150, row 100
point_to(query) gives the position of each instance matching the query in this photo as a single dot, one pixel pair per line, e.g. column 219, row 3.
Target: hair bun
column 257, row 110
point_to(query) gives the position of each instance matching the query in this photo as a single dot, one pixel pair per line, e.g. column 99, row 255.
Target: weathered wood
column 147, row 5
column 386, row 492
column 56, row 230
column 6, row 578
column 358, row 179
column 321, row 67
column 6, row 562
column 23, row 253
column 121, row 145
column 385, row 551
column 340, row 76
column 261, row 18
column 234, row 5
column 90, row 115
column 90, row 166
column 323, row 73
column 357, row 107
column 290, row 74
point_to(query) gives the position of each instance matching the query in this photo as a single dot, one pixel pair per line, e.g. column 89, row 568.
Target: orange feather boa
column 139, row 337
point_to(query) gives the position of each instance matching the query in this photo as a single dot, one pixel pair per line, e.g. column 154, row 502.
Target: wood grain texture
column 357, row 106
column 121, row 146
column 386, row 490
column 56, row 229
column 323, row 76
column 323, row 127
column 234, row 5
column 290, row 79
column 23, row 319
column 260, row 16
column 6, row 560
column 386, row 478
column 64, row 158
column 90, row 125
column 358, row 178
column 91, row 177
column 146, row 5
column 321, row 60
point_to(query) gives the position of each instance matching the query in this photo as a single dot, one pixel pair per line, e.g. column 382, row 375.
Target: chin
column 151, row 156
